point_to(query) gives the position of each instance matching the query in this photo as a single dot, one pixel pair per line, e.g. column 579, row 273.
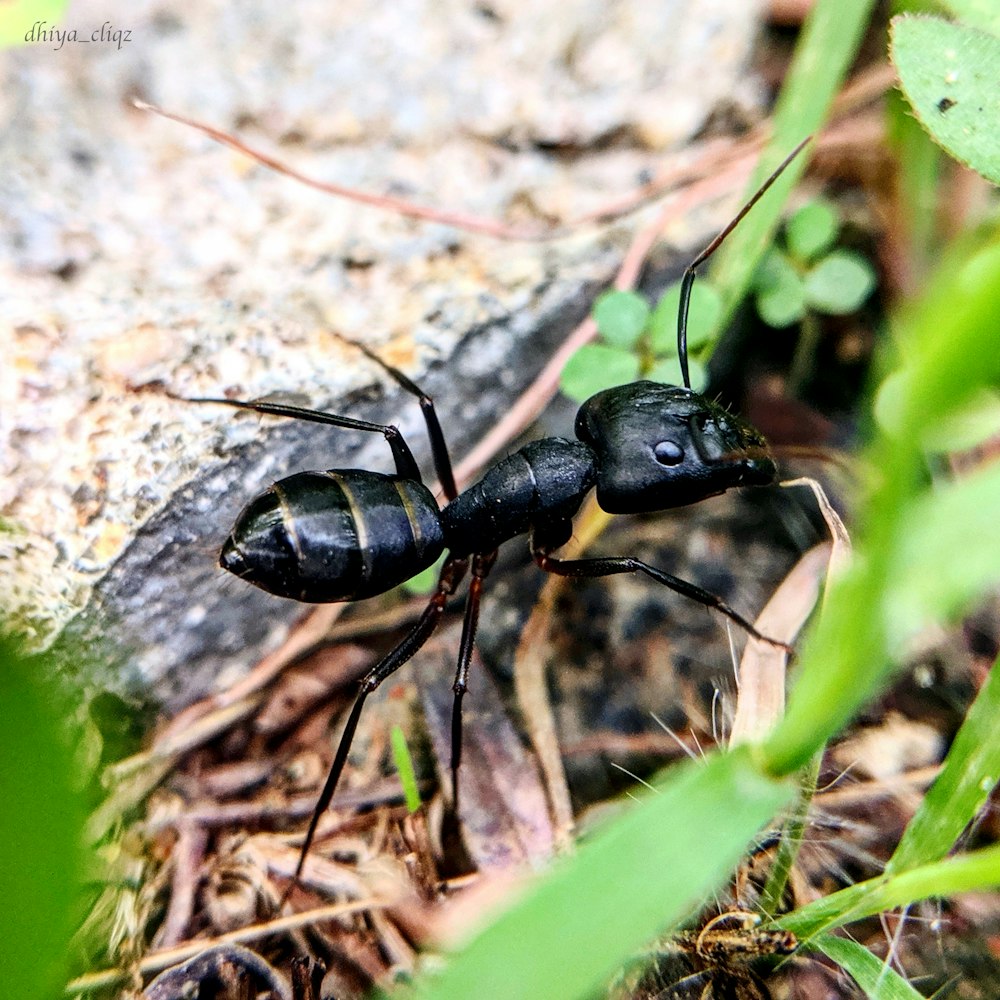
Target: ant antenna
column 687, row 282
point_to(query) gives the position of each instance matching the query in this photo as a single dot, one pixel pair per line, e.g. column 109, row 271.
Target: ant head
column 660, row 446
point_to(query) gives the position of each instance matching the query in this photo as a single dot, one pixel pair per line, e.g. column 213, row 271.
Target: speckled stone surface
column 136, row 256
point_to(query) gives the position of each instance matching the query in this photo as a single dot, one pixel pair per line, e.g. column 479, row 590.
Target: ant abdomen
column 341, row 535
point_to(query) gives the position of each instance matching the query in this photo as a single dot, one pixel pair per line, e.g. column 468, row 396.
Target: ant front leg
column 451, row 576
column 541, row 550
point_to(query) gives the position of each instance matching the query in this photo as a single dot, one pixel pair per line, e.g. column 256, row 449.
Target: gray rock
column 136, row 256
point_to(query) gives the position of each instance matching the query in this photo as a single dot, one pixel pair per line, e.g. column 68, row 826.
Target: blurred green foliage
column 41, row 824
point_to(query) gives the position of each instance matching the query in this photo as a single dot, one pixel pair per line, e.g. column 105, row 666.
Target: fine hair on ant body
column 348, row 534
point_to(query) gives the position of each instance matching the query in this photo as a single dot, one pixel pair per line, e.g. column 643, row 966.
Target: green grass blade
column 927, row 582
column 404, row 766
column 973, row 872
column 626, row 885
column 878, row 980
column 961, row 789
column 918, row 171
column 950, row 337
column 22, row 21
column 827, row 46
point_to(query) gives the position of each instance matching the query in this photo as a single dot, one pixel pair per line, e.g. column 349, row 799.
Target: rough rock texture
column 135, row 254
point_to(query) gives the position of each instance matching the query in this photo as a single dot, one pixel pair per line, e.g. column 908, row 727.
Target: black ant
column 348, row 534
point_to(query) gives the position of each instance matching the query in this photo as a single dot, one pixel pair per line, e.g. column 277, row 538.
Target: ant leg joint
column 369, row 683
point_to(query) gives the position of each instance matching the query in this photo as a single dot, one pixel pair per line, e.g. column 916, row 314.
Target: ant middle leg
column 482, row 563
column 611, row 565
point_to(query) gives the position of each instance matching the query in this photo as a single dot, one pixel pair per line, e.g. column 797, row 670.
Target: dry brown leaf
column 761, row 698
column 504, row 813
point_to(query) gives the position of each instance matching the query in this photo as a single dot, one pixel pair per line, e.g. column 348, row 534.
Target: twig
column 158, row 960
column 186, row 857
column 398, row 206
column 529, row 681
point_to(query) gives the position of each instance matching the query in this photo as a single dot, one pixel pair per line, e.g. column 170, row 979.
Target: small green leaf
column 781, row 299
column 826, row 48
column 703, row 315
column 981, row 14
column 839, row 283
column 596, row 367
column 621, row 317
column 948, row 73
column 668, row 371
column 779, row 309
column 811, row 230
column 404, row 765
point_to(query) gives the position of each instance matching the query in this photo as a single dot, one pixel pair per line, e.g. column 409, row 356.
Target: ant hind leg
column 452, row 574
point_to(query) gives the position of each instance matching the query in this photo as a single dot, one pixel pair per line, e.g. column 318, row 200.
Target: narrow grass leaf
column 628, row 883
column 40, row 830
column 827, row 46
column 973, row 872
column 919, row 161
column 961, row 789
column 951, row 339
column 404, row 766
column 878, row 980
column 948, row 553
column 22, row 20
column 969, row 427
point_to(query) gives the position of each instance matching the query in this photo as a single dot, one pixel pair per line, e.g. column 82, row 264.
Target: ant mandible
column 348, row 534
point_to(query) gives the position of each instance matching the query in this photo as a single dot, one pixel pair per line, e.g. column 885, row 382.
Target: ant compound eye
column 668, row 453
